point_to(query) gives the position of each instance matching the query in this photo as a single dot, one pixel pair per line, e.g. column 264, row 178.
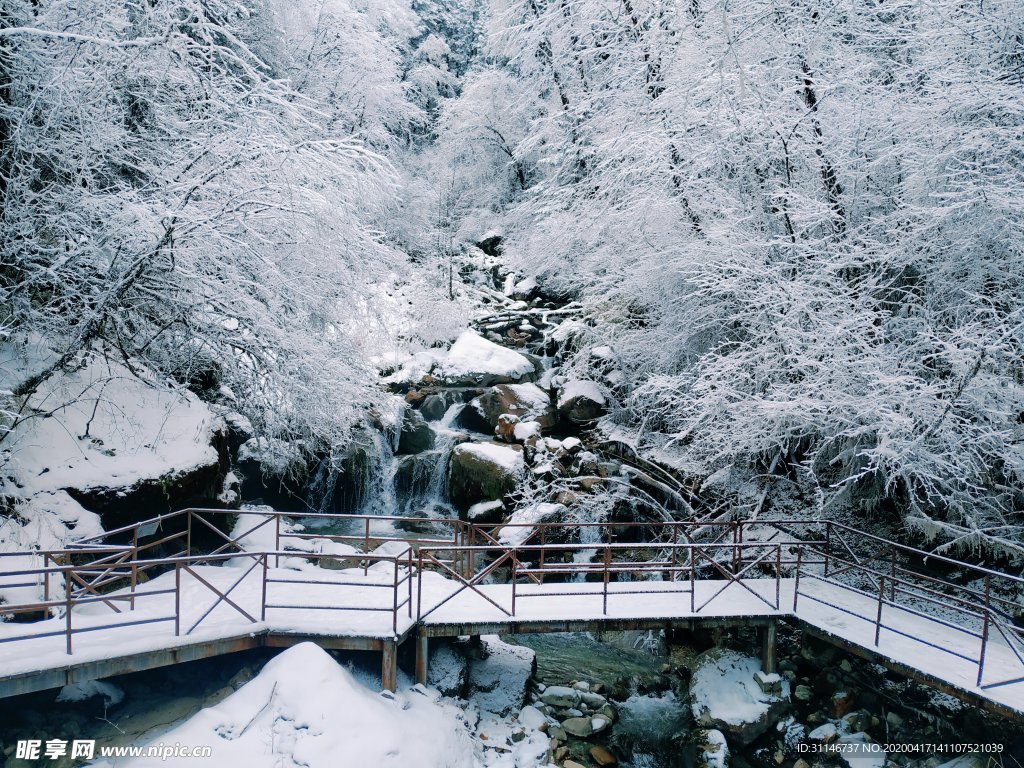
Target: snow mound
column 100, row 426
column 724, row 695
column 303, row 709
column 472, row 357
column 508, row 459
column 524, row 520
column 110, row 693
column 577, row 389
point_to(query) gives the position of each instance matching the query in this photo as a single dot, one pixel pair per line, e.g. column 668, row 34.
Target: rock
column 599, row 723
column 498, row 681
column 416, row 435
column 801, row 763
column 768, row 683
column 713, row 751
column 593, row 700
column 448, row 670
column 476, row 361
column 894, row 721
column 532, row 718
column 506, row 429
column 572, row 764
column 580, row 727
column 528, row 402
column 486, row 512
column 570, row 712
column 608, row 711
column 581, row 685
column 433, row 407
column 857, row 756
column 482, row 472
column 802, row 692
column 560, row 696
column 725, row 697
column 842, row 703
column 571, row 445
column 581, row 402
column 603, row 756
column 558, row 732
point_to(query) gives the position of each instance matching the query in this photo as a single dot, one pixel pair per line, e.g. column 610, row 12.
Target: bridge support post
column 769, row 658
column 389, row 665
column 422, row 658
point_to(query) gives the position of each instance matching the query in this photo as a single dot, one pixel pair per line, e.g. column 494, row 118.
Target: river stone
column 571, row 712
column 724, row 696
column 483, row 472
column 560, row 696
column 581, row 402
column 416, row 435
column 558, row 732
column 572, row 764
column 578, row 726
column 593, row 700
column 603, row 756
column 498, row 682
column 599, row 723
column 528, row 402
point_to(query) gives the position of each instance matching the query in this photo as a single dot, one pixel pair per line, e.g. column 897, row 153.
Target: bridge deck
column 208, row 605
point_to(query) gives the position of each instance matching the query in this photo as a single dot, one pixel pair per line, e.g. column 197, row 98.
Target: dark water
column 564, row 657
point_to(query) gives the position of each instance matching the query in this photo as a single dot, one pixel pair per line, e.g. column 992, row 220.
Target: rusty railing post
column 515, row 575
column 419, row 586
column 796, row 582
column 277, row 539
column 607, row 566
column 543, row 548
column 984, row 630
column 693, row 578
column 828, row 545
column 135, row 568
column 67, row 609
column 366, row 545
column 394, row 603
column 778, row 576
column 675, row 541
column 263, row 598
column 177, row 599
column 878, row 617
column 46, row 579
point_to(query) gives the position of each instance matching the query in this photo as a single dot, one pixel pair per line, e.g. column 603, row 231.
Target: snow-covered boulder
column 474, row 361
column 528, row 402
column 498, row 680
column 522, row 522
column 483, row 472
column 725, row 696
column 581, row 402
column 123, row 444
column 448, row 669
column 713, row 751
column 305, row 709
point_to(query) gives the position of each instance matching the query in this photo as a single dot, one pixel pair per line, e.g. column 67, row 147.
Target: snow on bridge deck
column 202, row 606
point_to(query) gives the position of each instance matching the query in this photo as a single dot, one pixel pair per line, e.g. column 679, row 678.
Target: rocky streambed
column 702, row 701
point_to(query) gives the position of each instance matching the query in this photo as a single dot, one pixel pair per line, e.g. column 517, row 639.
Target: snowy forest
column 424, row 300
column 796, row 227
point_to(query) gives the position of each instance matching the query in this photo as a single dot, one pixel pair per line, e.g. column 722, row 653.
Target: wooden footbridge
column 179, row 587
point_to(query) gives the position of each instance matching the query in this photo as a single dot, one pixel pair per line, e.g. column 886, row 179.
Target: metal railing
column 113, row 581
